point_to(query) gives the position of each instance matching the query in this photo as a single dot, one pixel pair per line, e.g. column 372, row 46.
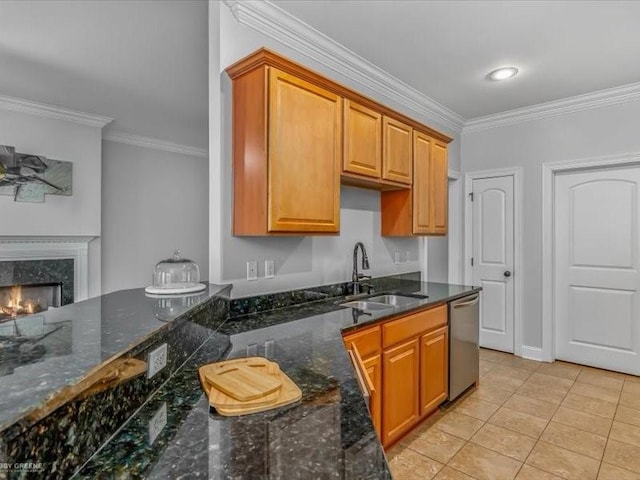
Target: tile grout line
column 615, row 414
column 609, row 436
column 548, row 421
column 486, row 422
column 545, row 428
column 571, row 426
column 460, row 471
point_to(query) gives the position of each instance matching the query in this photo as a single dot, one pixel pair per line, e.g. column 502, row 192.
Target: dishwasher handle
column 473, row 301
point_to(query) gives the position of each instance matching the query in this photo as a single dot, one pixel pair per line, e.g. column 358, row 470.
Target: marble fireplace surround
column 50, row 248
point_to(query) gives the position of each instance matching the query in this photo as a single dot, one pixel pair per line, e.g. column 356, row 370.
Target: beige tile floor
column 529, row 421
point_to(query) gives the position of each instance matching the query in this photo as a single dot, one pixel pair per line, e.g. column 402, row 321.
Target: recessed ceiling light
column 503, row 73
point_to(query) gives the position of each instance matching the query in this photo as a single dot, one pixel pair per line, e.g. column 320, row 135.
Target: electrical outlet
column 252, row 270
column 269, row 269
column 157, row 423
column 157, row 360
column 407, row 256
column 396, row 257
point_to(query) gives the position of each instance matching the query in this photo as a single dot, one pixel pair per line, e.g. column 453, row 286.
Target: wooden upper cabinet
column 362, row 140
column 422, row 186
column 305, row 124
column 439, row 182
column 423, row 210
column 287, row 148
column 298, row 134
column 397, row 159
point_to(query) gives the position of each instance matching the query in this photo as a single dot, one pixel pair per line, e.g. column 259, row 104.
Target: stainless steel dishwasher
column 464, row 334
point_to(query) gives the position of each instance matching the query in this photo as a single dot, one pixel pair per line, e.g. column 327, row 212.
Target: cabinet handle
column 466, row 304
column 363, row 371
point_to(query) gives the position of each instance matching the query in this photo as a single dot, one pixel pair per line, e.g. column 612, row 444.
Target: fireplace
column 19, row 300
column 30, row 261
column 32, row 286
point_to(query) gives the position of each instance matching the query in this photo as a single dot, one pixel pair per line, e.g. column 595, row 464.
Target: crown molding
column 270, row 20
column 155, row 144
column 28, row 107
column 556, row 108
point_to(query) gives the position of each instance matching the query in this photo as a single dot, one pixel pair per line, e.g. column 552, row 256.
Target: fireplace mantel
column 54, row 247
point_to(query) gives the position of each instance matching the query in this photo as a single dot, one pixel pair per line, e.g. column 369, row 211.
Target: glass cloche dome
column 168, row 307
column 176, row 275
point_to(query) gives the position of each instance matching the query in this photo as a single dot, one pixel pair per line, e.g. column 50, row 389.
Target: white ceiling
column 143, row 63
column 446, row 48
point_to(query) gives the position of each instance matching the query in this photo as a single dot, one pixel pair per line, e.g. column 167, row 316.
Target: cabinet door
column 305, row 131
column 422, row 184
column 397, row 160
column 373, row 367
column 400, row 390
column 362, row 140
column 439, row 183
column 434, row 369
column 366, row 340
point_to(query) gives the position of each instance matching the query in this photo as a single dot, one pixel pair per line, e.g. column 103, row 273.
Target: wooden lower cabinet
column 434, row 367
column 406, row 360
column 373, row 367
column 400, row 390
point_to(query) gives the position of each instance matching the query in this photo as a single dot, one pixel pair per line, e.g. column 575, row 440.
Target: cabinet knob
column 507, row 273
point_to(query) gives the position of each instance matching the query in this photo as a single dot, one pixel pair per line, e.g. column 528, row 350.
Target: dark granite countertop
column 43, row 353
column 327, row 435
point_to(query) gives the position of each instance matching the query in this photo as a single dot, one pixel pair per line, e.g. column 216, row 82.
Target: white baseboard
column 532, row 353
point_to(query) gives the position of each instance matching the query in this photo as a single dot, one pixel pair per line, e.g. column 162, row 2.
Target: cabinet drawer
column 413, row 325
column 367, row 341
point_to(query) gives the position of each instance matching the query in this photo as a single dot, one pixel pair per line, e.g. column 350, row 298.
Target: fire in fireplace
column 20, row 300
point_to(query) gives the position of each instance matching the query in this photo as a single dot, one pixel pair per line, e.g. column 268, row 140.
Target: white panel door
column 493, row 243
column 596, row 306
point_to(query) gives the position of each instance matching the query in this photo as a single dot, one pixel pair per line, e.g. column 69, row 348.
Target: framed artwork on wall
column 28, row 178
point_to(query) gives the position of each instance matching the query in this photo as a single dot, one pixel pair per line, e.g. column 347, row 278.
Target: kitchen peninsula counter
column 329, row 434
column 64, row 388
column 41, row 354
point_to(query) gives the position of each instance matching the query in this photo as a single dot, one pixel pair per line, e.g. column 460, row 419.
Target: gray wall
column 438, row 259
column 299, row 261
column 152, row 203
column 59, row 215
column 597, row 132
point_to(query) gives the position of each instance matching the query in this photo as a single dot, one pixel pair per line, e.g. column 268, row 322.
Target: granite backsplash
column 290, row 298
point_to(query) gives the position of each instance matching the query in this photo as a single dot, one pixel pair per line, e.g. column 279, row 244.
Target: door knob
column 507, row 273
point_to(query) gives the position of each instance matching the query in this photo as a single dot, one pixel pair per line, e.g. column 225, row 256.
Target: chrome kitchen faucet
column 356, row 277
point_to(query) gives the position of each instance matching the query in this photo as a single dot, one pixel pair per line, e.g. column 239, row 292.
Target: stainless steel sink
column 396, row 300
column 366, row 305
column 382, row 302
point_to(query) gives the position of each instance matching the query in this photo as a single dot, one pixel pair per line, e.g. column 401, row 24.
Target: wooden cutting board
column 226, row 405
column 241, row 380
column 219, row 398
column 289, row 393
